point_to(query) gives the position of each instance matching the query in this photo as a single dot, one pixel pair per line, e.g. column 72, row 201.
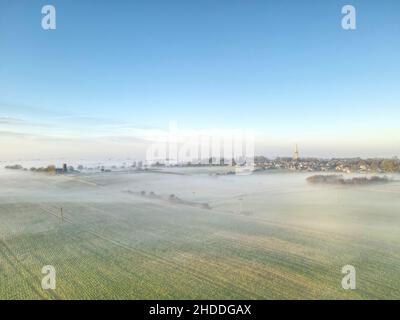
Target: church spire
column 296, row 153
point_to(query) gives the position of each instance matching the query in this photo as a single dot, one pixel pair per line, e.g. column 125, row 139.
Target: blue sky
column 285, row 69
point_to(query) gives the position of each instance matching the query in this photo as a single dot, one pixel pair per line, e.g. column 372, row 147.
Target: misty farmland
column 189, row 234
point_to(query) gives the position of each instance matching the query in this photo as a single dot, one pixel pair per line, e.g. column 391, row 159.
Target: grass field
column 266, row 236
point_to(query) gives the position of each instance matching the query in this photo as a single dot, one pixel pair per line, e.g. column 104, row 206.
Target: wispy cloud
column 18, row 108
column 11, row 120
column 11, row 134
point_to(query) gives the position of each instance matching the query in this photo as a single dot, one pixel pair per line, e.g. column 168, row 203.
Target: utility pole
column 62, row 215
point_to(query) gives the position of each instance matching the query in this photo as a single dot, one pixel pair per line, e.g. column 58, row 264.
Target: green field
column 266, row 236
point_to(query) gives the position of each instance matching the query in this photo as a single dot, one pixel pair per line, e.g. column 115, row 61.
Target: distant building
column 65, row 168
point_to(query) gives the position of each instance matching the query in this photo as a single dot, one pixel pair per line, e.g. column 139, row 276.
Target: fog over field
column 268, row 235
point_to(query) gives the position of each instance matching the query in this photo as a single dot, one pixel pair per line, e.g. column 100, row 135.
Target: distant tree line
column 15, row 167
column 49, row 169
column 338, row 179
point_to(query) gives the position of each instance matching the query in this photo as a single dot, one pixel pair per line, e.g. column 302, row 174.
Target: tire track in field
column 201, row 276
column 217, row 281
column 23, row 272
column 172, row 262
